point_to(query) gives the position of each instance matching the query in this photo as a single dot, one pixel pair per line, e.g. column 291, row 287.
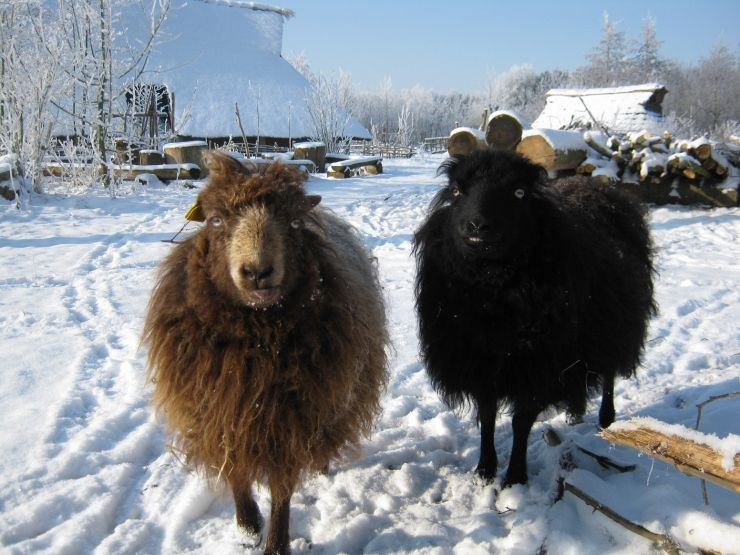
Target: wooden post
column 190, row 152
column 314, row 151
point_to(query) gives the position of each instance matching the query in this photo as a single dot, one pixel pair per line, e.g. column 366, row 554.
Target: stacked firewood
column 638, row 158
column 643, row 157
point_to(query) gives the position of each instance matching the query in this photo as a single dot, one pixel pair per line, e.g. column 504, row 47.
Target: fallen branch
column 552, row 438
column 687, row 450
column 606, row 462
column 661, row 541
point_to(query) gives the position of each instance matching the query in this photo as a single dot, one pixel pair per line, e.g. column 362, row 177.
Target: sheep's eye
column 296, row 224
column 456, row 192
column 519, row 193
column 215, row 221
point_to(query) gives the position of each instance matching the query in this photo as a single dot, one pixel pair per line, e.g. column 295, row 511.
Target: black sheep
column 530, row 293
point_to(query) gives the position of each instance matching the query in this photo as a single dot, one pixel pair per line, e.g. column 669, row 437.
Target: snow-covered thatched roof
column 224, row 52
column 618, row 109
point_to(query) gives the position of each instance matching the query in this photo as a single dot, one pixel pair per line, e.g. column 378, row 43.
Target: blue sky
column 453, row 45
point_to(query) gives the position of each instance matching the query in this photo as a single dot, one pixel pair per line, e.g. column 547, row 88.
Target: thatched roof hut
column 616, row 109
column 227, row 52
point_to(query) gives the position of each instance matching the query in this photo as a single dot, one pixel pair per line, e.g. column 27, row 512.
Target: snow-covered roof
column 228, row 52
column 252, row 6
column 618, row 109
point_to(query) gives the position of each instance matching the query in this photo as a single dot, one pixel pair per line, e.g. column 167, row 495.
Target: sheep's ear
column 542, row 175
column 222, row 164
column 313, row 200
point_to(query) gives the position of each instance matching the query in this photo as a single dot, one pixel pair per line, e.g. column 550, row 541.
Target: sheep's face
column 490, row 202
column 255, row 228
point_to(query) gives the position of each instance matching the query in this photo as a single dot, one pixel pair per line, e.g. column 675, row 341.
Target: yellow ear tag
column 195, row 213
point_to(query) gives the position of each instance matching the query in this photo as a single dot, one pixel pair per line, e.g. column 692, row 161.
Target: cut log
column 504, row 129
column 587, row 167
column 5, row 172
column 368, row 165
column 692, row 452
column 686, row 165
column 554, row 150
column 700, row 148
column 659, row 147
column 639, row 137
column 464, row 140
column 599, row 142
column 605, row 175
column 314, row 151
column 151, row 157
column 652, row 164
column 717, row 163
column 8, row 193
column 189, row 152
column 165, row 172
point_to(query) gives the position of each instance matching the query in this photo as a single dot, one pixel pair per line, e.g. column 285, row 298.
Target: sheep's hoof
column 486, row 474
column 606, row 418
column 250, row 535
column 510, row 480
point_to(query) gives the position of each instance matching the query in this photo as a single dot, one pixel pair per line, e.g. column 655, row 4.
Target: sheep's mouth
column 474, row 241
column 479, row 242
column 265, row 296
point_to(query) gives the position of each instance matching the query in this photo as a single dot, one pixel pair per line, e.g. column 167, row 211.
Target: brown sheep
column 267, row 334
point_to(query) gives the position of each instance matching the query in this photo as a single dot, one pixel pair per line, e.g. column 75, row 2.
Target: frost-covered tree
column 716, row 83
column 329, row 104
column 646, row 63
column 30, row 78
column 66, row 66
column 406, row 126
column 608, row 59
column 523, row 90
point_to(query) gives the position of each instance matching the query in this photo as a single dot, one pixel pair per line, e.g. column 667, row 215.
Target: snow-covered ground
column 84, row 468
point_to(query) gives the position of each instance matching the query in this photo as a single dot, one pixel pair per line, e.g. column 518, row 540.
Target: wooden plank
column 683, row 450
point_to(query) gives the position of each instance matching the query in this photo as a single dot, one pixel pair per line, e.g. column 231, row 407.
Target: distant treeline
column 701, row 99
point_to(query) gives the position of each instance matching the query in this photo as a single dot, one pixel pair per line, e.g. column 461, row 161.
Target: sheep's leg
column 606, row 413
column 248, row 516
column 522, row 424
column 278, row 537
column 487, row 462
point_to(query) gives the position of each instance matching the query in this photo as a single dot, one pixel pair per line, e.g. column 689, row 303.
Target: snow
column 85, row 468
column 145, row 168
column 644, row 87
column 7, row 163
column 471, row 130
column 308, row 144
column 522, row 120
column 252, row 6
column 184, row 144
column 558, row 140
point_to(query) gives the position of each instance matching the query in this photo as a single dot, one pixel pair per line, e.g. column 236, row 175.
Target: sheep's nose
column 476, row 226
column 250, row 272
